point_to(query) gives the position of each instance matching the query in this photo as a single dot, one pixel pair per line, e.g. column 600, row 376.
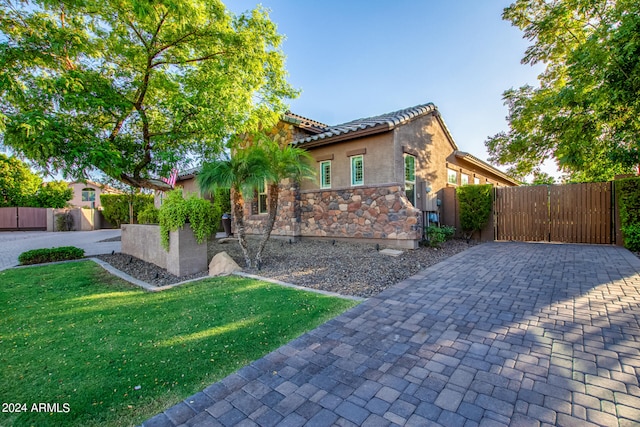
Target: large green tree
column 133, row 88
column 585, row 113
column 20, row 187
column 17, row 183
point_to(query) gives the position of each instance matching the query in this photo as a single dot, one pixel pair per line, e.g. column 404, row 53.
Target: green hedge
column 438, row 235
column 115, row 207
column 39, row 256
column 628, row 194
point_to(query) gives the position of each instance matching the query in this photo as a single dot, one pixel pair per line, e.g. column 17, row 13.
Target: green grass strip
column 116, row 355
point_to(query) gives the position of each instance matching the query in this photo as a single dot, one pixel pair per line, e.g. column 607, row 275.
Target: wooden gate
column 571, row 213
column 23, row 218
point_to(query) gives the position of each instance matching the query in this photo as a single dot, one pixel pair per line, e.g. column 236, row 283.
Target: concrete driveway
column 13, row 243
column 502, row 334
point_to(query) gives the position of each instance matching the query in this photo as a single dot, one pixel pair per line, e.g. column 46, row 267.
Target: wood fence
column 571, row 213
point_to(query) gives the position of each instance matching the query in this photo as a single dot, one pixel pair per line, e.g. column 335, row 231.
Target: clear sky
column 360, row 58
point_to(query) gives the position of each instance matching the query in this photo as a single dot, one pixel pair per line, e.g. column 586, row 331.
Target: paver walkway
column 502, row 334
column 13, row 243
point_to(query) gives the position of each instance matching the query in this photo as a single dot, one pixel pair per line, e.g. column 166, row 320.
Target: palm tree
column 284, row 162
column 242, row 173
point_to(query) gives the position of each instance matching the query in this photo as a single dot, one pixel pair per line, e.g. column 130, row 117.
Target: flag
column 172, row 178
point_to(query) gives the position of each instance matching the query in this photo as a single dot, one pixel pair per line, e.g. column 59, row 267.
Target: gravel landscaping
column 346, row 268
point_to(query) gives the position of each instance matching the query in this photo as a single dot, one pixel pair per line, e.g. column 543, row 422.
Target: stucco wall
column 185, row 255
column 379, row 151
column 77, row 194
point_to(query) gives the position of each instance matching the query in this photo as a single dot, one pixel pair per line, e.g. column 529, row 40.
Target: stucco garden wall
column 185, row 255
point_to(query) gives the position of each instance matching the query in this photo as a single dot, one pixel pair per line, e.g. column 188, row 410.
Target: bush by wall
column 438, row 235
column 476, row 203
column 116, row 207
column 149, row 215
column 176, row 211
column 628, row 194
column 39, row 256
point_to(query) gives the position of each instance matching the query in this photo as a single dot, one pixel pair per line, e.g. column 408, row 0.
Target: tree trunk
column 273, row 192
column 238, row 214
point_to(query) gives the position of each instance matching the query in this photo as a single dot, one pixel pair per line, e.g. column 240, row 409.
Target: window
column 464, row 179
column 262, row 198
column 325, row 174
column 476, row 180
column 452, row 176
column 88, row 195
column 410, row 178
column 357, row 170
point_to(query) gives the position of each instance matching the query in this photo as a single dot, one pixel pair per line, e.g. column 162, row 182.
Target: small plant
column 438, row 235
column 64, row 222
column 176, row 211
column 149, row 215
column 39, row 256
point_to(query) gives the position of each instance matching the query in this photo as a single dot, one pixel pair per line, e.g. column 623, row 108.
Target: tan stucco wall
column 379, row 151
column 77, row 194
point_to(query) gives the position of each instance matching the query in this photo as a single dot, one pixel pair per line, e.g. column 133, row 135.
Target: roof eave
column 472, row 159
column 381, row 128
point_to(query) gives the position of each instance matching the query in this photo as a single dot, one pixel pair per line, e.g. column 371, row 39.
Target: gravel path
column 342, row 267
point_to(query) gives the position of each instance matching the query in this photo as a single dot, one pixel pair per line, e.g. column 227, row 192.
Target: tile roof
column 305, row 122
column 383, row 122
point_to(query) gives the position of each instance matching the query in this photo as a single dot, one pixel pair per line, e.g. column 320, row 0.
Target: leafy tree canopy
column 20, row 187
column 17, row 183
column 133, row 88
column 585, row 114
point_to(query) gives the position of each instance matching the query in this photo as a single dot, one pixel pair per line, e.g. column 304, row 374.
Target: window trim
column 355, row 183
column 408, row 181
column 323, row 184
column 450, row 173
column 88, row 191
column 266, row 202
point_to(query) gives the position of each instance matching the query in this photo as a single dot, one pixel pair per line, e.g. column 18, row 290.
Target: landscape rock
column 223, row 265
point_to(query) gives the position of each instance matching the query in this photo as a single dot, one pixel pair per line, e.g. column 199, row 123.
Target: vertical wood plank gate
column 571, row 213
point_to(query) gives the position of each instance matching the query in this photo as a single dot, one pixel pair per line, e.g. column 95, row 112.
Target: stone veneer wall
column 364, row 212
column 288, row 217
column 382, row 213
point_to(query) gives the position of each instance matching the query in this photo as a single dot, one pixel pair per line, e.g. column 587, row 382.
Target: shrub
column 476, row 203
column 116, row 207
column 628, row 192
column 176, row 211
column 149, row 215
column 438, row 235
column 39, row 256
column 64, row 222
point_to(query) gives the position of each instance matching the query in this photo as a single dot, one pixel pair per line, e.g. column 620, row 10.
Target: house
column 379, row 179
column 87, row 193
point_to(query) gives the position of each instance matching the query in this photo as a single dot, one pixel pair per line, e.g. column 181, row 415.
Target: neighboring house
column 87, row 193
column 379, row 179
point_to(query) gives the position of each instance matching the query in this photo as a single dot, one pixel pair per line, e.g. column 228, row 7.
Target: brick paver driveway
column 502, row 334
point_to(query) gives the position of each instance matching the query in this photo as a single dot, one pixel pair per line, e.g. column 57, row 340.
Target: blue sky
column 358, row 58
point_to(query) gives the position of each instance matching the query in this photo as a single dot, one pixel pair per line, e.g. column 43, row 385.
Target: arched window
column 88, row 195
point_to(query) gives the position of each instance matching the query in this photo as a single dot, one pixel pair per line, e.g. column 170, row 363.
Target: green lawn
column 73, row 334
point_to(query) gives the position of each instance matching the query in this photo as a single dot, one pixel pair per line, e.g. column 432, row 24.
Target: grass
column 72, row 333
